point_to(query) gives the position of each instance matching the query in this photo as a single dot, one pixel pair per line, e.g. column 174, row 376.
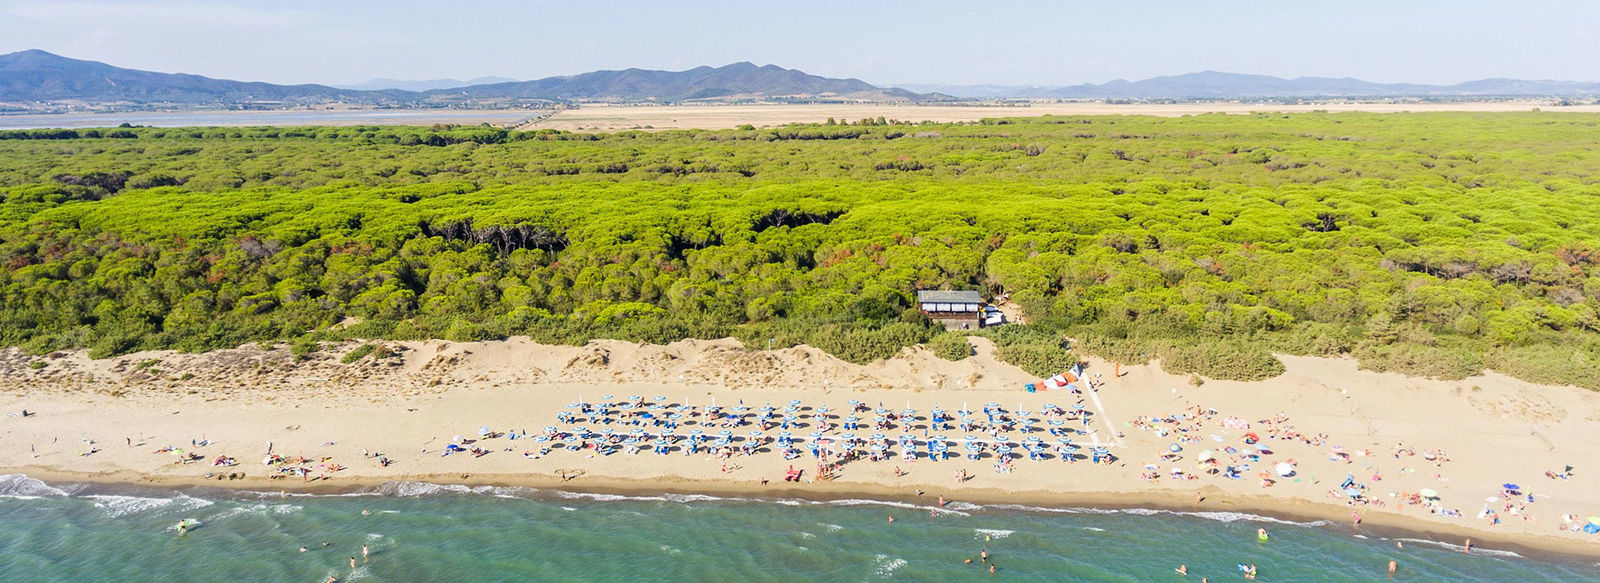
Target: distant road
column 622, row 117
column 341, row 117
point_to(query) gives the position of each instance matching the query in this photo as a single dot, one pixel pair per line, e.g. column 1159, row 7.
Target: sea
column 438, row 533
column 266, row 118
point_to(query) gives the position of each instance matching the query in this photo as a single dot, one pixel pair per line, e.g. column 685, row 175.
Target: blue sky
column 978, row 41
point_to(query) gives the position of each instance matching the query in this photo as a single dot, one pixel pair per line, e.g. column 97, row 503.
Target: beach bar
column 957, row 310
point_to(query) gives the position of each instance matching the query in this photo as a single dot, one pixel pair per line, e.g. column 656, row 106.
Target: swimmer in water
column 1182, row 570
column 1392, row 567
column 1468, row 549
column 352, row 563
column 363, row 553
column 891, row 519
column 365, row 512
column 1250, row 573
column 1261, row 534
column 984, row 554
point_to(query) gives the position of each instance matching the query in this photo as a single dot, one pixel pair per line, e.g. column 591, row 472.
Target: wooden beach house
column 957, row 310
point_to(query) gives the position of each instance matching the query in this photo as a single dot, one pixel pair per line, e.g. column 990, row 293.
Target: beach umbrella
column 1352, row 492
column 756, row 434
column 1491, row 499
column 1174, row 448
column 1510, row 486
column 637, row 432
column 578, row 405
column 847, row 436
column 541, row 438
column 625, row 405
column 725, row 433
column 607, row 431
column 1285, row 469
column 1078, row 406
column 635, row 398
column 571, row 439
column 696, row 432
column 1594, row 520
column 630, row 441
column 1206, row 455
column 823, row 409
column 880, row 411
column 605, row 397
column 908, row 412
column 853, row 402
column 660, row 398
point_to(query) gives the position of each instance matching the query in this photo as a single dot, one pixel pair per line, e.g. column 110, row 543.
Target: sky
column 1063, row 42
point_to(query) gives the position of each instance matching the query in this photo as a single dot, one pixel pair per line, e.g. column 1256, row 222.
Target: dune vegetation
column 1430, row 244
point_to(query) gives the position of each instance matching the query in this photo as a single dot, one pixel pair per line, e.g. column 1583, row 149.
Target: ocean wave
column 1208, row 515
column 22, row 487
column 885, row 565
column 118, row 506
column 1458, row 548
column 256, row 510
column 993, row 533
column 860, row 502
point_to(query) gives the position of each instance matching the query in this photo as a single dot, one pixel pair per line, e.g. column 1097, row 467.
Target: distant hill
column 1217, row 85
column 39, row 76
column 35, row 75
column 738, row 80
column 423, row 85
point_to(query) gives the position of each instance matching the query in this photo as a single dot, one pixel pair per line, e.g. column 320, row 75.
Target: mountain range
column 1218, row 85
column 421, row 85
column 39, row 76
column 32, row 77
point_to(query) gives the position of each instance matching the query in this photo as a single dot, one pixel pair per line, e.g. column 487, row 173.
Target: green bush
column 358, row 353
column 950, row 346
column 1037, row 358
column 1449, row 363
column 1222, row 360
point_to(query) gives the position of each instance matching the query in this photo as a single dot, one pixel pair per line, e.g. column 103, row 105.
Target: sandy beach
column 106, row 420
column 601, row 117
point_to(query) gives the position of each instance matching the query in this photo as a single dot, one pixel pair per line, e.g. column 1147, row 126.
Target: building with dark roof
column 957, row 310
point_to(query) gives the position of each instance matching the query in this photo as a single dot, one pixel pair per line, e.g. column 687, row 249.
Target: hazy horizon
column 929, row 43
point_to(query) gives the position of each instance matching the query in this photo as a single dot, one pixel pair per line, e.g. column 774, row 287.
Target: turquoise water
column 423, row 532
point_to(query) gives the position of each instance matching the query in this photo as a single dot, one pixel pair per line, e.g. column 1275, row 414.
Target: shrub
column 359, row 353
column 950, row 346
column 1232, row 361
column 1451, row 363
column 1037, row 358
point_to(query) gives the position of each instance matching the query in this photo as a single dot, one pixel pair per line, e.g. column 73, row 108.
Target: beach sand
column 601, row 117
column 409, row 406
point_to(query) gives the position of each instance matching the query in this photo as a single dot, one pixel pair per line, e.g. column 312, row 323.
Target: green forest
column 1432, row 244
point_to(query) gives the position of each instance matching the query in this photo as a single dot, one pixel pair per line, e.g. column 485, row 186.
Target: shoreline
column 121, row 422
column 1375, row 524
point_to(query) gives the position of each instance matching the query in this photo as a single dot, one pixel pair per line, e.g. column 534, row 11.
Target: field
column 1430, row 243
